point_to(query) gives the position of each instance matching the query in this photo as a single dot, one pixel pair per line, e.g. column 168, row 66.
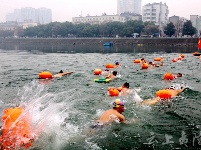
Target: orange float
column 157, row 59
column 145, row 65
column 168, row 76
column 45, row 75
column 136, row 61
column 174, row 60
column 97, row 71
column 16, row 129
column 182, row 55
column 109, row 66
column 179, row 58
column 113, row 92
column 165, row 94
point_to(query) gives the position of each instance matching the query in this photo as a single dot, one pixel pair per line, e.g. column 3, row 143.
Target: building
column 196, row 22
column 178, row 23
column 8, row 26
column 28, row 24
column 155, row 12
column 131, row 6
column 44, row 15
column 105, row 18
column 98, row 19
column 131, row 16
column 40, row 16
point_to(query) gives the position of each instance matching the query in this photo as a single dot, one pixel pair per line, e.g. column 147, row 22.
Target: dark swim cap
column 126, row 84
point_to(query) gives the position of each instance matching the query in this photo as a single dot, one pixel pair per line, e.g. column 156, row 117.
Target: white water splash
column 136, row 98
column 47, row 112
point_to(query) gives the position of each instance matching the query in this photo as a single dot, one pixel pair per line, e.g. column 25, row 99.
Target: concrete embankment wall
column 101, row 40
column 71, row 43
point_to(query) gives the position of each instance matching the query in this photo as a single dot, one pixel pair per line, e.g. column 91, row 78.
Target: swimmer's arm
column 108, row 76
column 118, row 88
column 151, row 102
column 181, row 90
column 122, row 119
column 65, row 73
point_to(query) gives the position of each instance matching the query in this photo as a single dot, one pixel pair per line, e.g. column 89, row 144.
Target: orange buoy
column 145, row 65
column 168, row 76
column 174, row 60
column 97, row 71
column 200, row 56
column 16, row 129
column 45, row 75
column 109, row 66
column 157, row 59
column 136, row 61
column 182, row 55
column 113, row 92
column 179, row 58
column 164, row 94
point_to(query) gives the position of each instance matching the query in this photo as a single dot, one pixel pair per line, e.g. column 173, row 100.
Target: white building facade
column 104, row 19
column 98, row 19
column 155, row 12
column 131, row 6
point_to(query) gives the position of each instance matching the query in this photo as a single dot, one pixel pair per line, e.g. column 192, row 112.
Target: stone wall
column 71, row 43
column 100, row 40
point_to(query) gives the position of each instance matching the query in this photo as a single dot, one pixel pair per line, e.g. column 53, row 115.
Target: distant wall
column 62, row 43
column 100, row 40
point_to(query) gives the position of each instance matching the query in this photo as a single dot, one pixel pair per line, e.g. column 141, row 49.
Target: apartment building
column 131, row 6
column 155, row 12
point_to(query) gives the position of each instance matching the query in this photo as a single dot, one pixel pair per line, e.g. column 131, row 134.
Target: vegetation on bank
column 130, row 28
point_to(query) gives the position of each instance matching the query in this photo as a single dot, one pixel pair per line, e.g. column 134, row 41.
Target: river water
column 67, row 106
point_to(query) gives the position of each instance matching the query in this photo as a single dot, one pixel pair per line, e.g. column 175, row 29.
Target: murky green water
column 69, row 105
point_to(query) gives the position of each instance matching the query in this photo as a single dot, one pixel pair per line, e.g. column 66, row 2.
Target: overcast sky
column 64, row 10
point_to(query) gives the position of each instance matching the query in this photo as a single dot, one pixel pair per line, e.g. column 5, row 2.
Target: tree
column 114, row 28
column 188, row 29
column 169, row 29
column 6, row 33
column 151, row 29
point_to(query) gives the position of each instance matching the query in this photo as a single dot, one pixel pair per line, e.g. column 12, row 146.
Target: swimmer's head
column 61, row 71
column 179, row 75
column 114, row 73
column 126, row 84
column 117, row 103
column 116, row 62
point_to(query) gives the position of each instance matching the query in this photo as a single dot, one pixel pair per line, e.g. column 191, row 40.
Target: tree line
column 111, row 29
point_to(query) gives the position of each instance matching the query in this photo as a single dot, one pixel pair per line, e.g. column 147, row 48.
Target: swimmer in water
column 112, row 76
column 178, row 75
column 61, row 74
column 124, row 89
column 117, row 64
column 172, row 90
column 114, row 114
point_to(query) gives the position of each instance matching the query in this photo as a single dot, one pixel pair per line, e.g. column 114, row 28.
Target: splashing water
column 136, row 97
column 47, row 113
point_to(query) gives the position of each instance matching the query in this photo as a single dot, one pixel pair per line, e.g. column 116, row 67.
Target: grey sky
column 64, row 10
